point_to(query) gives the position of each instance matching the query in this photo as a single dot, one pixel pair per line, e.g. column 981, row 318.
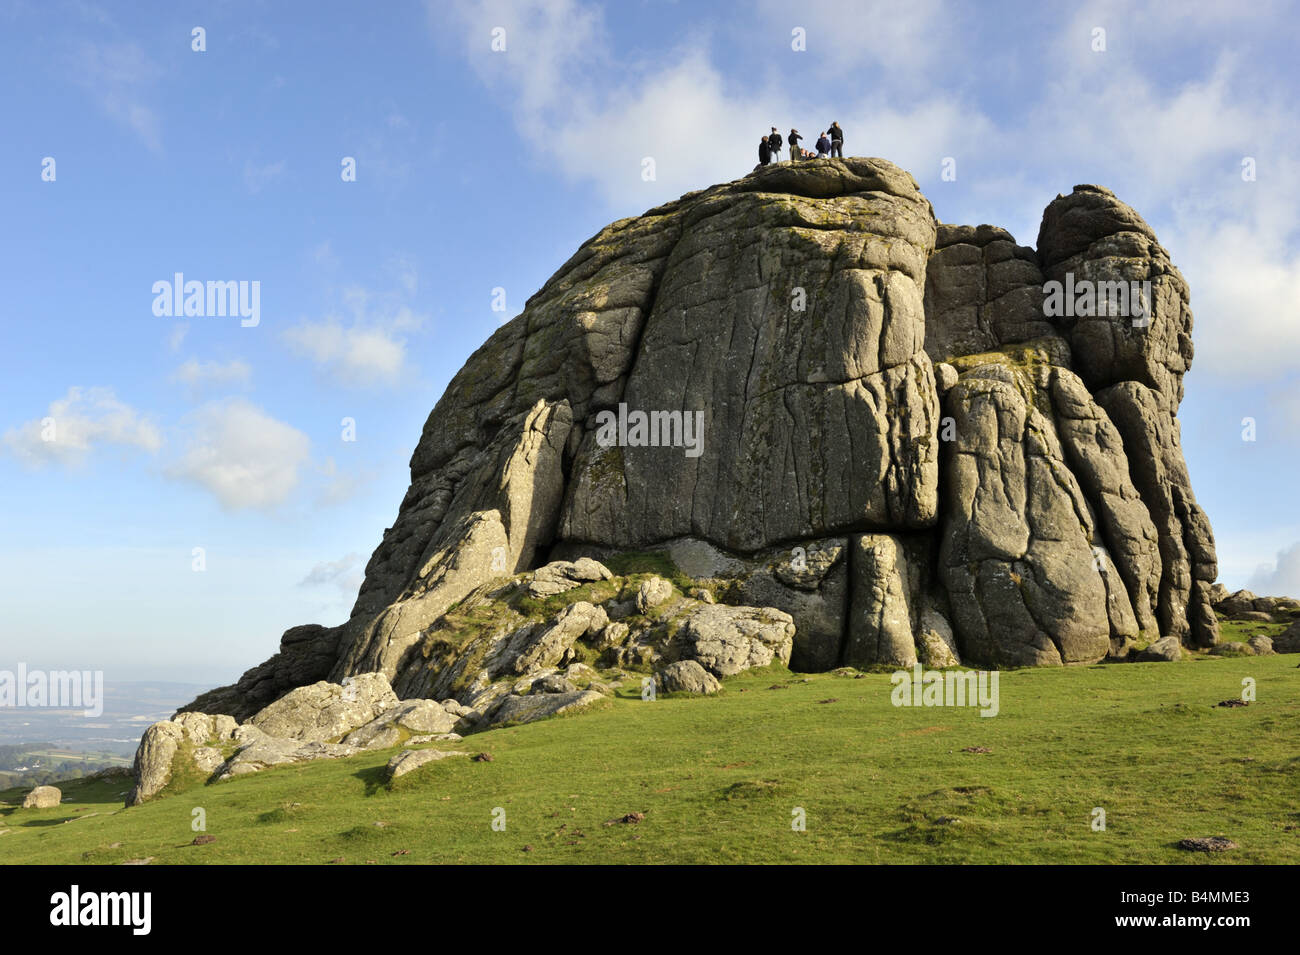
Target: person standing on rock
column 837, row 140
column 764, row 152
column 823, row 146
column 774, row 141
column 793, row 140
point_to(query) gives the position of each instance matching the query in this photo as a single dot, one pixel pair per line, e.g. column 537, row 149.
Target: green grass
column 717, row 779
column 1240, row 631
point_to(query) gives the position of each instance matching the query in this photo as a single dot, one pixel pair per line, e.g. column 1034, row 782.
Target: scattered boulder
column 43, row 797
column 536, row 706
column 409, row 717
column 1262, row 645
column 1288, row 641
column 1166, row 649
column 651, row 593
column 258, row 751
column 561, row 576
column 1207, row 844
column 686, row 676
column 553, row 683
column 543, row 646
column 1242, row 601
column 728, row 640
column 613, row 635
column 412, row 759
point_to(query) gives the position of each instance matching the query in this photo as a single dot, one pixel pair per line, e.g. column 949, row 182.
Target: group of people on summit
column 829, row 143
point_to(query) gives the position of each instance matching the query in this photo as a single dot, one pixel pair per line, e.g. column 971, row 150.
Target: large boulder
column 325, row 712
column 200, row 735
column 1288, row 641
column 257, row 751
column 407, row 719
column 43, row 797
column 1164, row 650
column 729, row 640
column 686, row 676
column 412, row 759
column 153, row 760
column 536, row 706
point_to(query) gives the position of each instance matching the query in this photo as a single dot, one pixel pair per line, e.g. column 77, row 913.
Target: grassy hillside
column 717, row 780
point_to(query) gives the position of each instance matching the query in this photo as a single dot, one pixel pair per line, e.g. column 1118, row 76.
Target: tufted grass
column 718, row 779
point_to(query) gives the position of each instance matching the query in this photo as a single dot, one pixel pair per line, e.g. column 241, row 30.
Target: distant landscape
column 40, row 745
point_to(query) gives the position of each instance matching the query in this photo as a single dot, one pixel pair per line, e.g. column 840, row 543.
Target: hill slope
column 717, row 779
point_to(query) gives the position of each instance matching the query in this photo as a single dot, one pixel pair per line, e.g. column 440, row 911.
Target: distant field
column 75, row 755
column 719, row 778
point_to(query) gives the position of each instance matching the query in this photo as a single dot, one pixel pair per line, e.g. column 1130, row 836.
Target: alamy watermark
column 55, row 689
column 1085, row 299
column 654, row 429
column 946, row 688
column 194, row 299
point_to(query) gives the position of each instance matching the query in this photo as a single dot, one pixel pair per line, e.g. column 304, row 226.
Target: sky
column 211, row 481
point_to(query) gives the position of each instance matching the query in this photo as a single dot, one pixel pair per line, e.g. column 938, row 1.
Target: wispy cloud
column 197, row 374
column 362, row 342
column 79, row 422
column 120, row 77
column 257, row 176
column 344, row 575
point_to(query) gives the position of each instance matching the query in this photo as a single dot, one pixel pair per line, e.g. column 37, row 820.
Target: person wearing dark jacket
column 793, row 140
column 764, row 152
column 837, row 140
column 775, row 142
column 823, row 146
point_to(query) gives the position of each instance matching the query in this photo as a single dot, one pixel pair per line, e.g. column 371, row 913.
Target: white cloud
column 1281, row 578
column 598, row 121
column 242, row 455
column 197, row 374
column 903, row 39
column 357, row 355
column 344, row 574
column 367, row 344
column 1168, row 139
column 85, row 418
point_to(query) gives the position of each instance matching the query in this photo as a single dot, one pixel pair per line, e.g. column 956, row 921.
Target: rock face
column 869, row 437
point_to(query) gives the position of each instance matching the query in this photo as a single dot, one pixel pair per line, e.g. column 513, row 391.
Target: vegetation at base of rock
column 878, row 783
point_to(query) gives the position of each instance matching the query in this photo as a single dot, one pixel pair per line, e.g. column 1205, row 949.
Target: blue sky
column 481, row 169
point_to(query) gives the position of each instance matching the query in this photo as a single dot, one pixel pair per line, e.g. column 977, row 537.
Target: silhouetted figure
column 837, row 140
column 774, row 141
column 764, row 152
column 793, row 140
